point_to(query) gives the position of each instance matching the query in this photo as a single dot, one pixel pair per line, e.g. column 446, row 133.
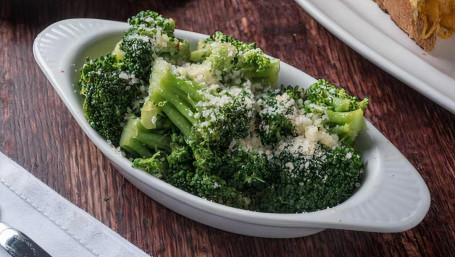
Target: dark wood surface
column 38, row 132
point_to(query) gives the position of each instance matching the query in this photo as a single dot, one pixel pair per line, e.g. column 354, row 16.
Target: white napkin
column 58, row 226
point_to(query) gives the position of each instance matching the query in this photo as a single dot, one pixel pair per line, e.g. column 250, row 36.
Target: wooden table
column 38, row 132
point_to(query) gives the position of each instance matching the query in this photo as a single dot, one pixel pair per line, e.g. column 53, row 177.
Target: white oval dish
column 392, row 198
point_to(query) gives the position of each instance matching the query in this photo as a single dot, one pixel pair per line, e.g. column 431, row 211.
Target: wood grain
column 38, row 132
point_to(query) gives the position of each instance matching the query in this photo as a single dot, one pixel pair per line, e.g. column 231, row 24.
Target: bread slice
column 422, row 20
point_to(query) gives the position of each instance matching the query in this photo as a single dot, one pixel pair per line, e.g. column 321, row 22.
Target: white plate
column 393, row 197
column 368, row 30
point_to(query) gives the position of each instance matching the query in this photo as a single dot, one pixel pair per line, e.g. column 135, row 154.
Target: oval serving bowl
column 392, row 197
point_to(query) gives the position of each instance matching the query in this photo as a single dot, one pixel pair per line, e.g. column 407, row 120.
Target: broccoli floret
column 108, row 94
column 221, row 37
column 323, row 93
column 155, row 165
column 247, row 171
column 150, row 36
column 208, row 119
column 210, row 187
column 141, row 142
column 153, row 21
column 311, row 183
column 214, row 62
column 276, row 108
column 344, row 112
column 245, row 60
column 170, row 164
column 181, row 156
column 253, row 64
column 296, row 93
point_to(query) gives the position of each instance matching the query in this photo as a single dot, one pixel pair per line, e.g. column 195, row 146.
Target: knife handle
column 18, row 244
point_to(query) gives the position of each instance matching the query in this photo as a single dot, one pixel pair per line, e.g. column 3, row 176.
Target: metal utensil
column 18, row 244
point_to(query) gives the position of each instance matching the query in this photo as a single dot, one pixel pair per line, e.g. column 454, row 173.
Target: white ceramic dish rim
column 397, row 55
column 55, row 50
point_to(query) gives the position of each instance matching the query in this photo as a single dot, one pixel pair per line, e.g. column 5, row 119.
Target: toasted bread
column 422, row 20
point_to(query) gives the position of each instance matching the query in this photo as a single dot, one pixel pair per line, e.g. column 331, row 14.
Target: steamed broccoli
column 150, row 36
column 213, row 63
column 112, row 85
column 213, row 122
column 108, row 95
column 209, row 119
column 142, row 142
column 171, row 153
column 176, row 168
column 169, row 164
column 247, row 171
column 344, row 112
column 152, row 21
column 246, row 61
column 156, row 165
column 312, row 183
column 277, row 108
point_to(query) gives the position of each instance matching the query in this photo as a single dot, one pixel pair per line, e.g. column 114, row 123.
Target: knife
column 18, row 244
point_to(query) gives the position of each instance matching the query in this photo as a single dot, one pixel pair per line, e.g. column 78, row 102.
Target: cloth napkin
column 58, row 226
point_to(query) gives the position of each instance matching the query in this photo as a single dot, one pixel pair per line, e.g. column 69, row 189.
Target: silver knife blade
column 18, row 244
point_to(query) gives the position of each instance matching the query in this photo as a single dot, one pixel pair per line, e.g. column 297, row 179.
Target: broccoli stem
column 345, row 133
column 353, row 118
column 190, row 88
column 179, row 96
column 347, row 124
column 139, row 141
column 180, row 103
column 341, row 104
column 135, row 148
column 178, row 119
column 265, row 76
column 154, row 141
column 150, row 111
column 200, row 54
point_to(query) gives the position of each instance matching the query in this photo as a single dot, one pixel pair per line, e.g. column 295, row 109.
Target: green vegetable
column 142, row 142
column 108, row 94
column 312, row 183
column 276, row 106
column 344, row 112
column 213, row 122
column 237, row 61
column 209, row 120
column 155, row 165
column 177, row 169
column 150, row 36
